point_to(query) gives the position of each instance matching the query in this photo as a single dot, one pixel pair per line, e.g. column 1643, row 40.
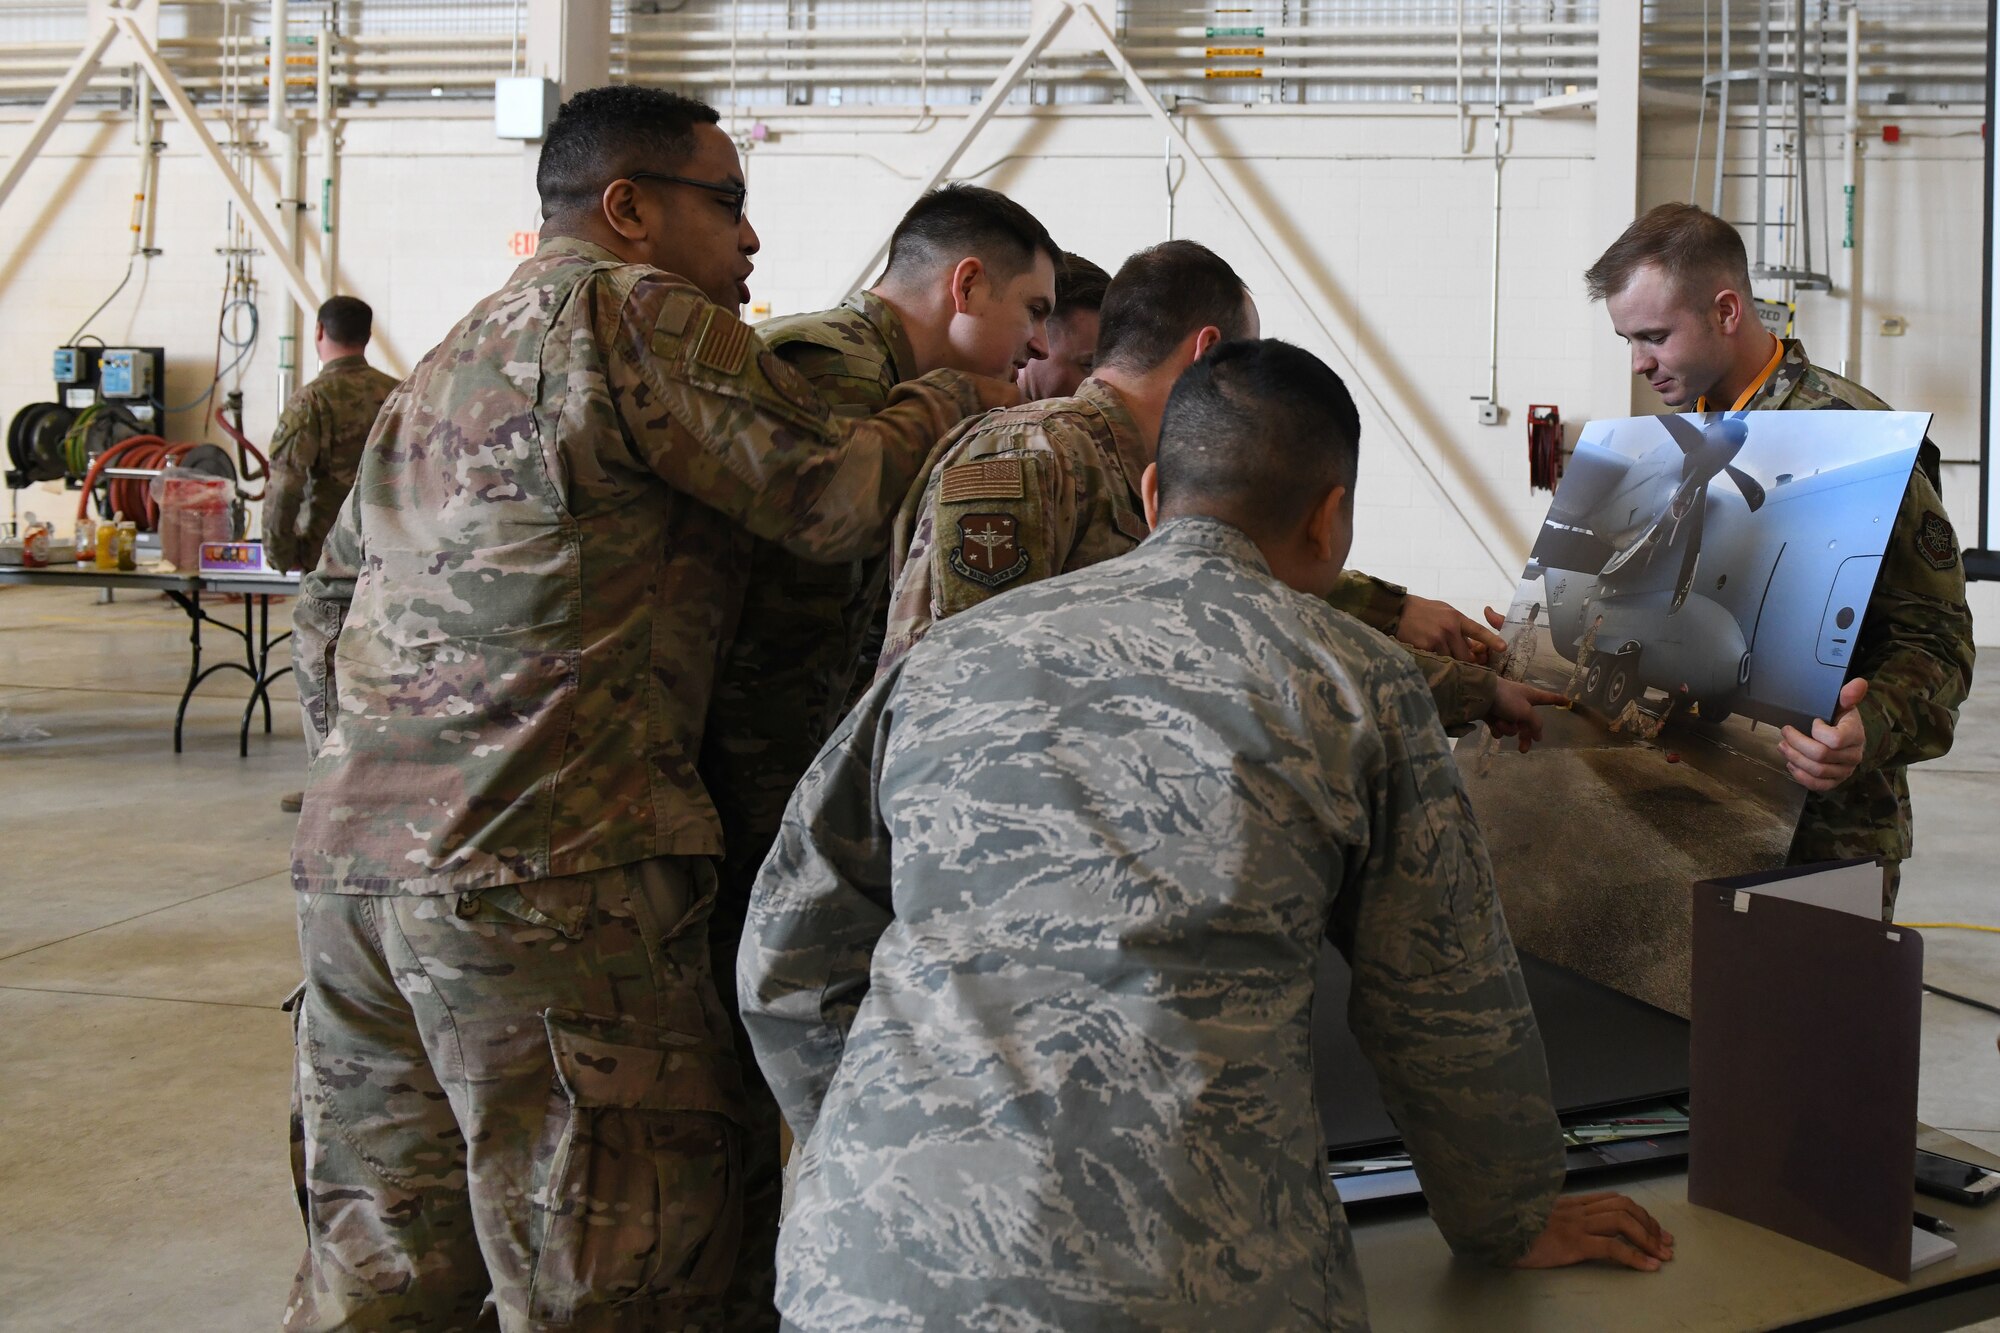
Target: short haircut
column 1160, row 296
column 603, row 134
column 958, row 222
column 1257, row 431
column 347, row 320
column 1080, row 286
column 1699, row 253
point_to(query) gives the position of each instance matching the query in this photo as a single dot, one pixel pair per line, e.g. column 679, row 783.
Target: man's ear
column 1323, row 524
column 319, row 331
column 966, row 278
column 1728, row 311
column 1149, row 494
column 1205, row 339
column 620, row 205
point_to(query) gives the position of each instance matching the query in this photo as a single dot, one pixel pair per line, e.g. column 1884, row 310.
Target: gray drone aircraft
column 1740, row 596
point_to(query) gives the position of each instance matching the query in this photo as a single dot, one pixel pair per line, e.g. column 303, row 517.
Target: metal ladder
column 1793, row 230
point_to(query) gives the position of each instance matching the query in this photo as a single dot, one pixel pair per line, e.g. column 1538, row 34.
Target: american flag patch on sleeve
column 995, row 479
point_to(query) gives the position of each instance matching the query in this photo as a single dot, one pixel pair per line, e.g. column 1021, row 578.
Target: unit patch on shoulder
column 989, row 550
column 995, row 479
column 1935, row 541
column 723, row 341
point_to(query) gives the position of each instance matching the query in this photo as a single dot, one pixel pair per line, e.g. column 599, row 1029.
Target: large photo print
column 1700, row 582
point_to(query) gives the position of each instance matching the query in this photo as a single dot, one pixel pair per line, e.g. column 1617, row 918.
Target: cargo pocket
column 642, row 1194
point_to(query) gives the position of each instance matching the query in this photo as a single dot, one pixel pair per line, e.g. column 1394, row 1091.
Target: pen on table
column 1937, row 1226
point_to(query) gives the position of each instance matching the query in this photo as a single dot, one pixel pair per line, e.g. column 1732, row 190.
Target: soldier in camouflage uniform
column 1032, row 966
column 970, row 281
column 1080, row 289
column 1033, row 491
column 515, row 1081
column 316, row 449
column 317, row 446
column 1677, row 285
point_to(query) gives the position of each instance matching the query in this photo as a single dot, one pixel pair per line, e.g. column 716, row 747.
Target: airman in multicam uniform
column 969, row 286
column 1031, row 968
column 1915, row 649
column 1677, row 286
column 1030, row 492
column 515, row 1080
column 316, row 448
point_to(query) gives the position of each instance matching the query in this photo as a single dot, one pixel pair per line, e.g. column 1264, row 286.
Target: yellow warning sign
column 1223, row 52
column 1233, row 73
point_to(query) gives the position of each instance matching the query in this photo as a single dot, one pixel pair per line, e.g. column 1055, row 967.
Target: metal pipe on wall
column 1850, row 235
column 329, row 155
column 286, row 143
column 149, row 163
column 1493, row 331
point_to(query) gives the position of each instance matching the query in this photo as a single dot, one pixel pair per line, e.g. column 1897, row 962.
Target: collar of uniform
column 342, row 364
column 1131, row 448
column 1200, row 532
column 888, row 325
column 1773, row 384
column 571, row 247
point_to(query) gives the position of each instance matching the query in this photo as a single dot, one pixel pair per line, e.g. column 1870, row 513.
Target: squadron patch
column 1935, row 541
column 994, row 479
column 989, row 550
column 723, row 341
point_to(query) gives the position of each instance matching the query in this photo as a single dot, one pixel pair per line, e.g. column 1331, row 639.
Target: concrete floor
column 146, row 943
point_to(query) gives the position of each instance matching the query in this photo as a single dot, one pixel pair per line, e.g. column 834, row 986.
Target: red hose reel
column 1545, row 446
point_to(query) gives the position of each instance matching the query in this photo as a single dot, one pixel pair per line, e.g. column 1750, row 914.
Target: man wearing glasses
column 515, row 1082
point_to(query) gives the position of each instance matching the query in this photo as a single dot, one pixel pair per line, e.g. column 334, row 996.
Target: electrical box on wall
column 523, row 107
column 125, row 372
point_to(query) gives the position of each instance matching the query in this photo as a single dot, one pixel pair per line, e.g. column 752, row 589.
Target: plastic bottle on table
column 107, row 544
column 128, row 545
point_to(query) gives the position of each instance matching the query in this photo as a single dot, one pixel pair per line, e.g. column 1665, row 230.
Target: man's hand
column 1437, row 627
column 1513, row 713
column 1583, row 1227
column 1828, row 757
column 1495, row 618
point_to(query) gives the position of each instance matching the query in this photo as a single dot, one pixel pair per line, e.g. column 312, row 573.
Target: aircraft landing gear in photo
column 1621, row 679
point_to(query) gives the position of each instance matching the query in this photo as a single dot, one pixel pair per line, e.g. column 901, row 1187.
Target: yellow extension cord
column 1948, row 925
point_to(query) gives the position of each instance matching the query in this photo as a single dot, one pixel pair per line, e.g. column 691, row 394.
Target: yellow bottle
column 107, row 544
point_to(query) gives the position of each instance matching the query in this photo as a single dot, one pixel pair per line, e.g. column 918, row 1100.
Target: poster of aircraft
column 1700, row 582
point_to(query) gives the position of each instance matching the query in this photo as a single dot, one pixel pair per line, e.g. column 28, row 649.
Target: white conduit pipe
column 329, row 156
column 1850, row 235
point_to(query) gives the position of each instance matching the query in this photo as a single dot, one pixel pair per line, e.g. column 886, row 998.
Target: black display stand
column 1606, row 1050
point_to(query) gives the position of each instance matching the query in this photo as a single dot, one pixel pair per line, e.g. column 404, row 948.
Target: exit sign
column 522, row 244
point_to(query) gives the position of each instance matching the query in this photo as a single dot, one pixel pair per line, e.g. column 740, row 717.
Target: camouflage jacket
column 806, row 627
column 1031, row 967
column 314, row 454
column 1915, row 649
column 1025, row 493
column 509, row 645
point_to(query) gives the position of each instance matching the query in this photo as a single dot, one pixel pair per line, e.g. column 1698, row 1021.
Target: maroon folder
column 1803, row 1064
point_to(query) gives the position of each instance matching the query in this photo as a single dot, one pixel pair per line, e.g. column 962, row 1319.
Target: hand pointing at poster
column 1829, row 756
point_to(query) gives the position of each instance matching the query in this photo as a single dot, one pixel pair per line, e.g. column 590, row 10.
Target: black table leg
column 190, row 602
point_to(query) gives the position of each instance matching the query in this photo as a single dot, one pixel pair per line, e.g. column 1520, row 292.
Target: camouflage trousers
column 520, row 1108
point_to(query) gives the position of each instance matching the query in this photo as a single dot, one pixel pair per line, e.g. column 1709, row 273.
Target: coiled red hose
column 130, row 497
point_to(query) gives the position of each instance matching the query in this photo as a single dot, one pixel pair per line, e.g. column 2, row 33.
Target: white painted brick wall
column 1395, row 223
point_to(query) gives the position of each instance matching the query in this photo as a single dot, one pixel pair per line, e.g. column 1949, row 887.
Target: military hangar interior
column 212, row 210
